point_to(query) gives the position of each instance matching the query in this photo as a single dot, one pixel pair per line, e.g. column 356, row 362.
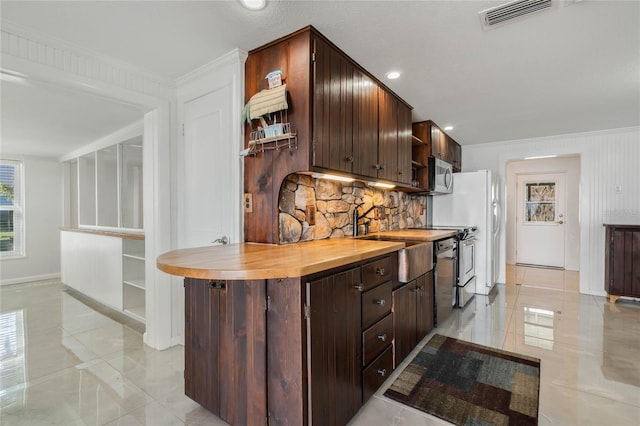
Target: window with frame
column 11, row 209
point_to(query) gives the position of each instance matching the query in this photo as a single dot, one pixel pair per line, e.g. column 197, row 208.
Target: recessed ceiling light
column 393, row 75
column 447, row 128
column 254, row 4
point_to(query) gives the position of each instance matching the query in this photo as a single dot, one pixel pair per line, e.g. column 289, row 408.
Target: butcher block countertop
column 253, row 261
column 415, row 234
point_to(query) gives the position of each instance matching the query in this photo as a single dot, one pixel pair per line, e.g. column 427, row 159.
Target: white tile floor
column 64, row 363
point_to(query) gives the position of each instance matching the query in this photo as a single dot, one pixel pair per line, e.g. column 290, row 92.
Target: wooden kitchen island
column 288, row 334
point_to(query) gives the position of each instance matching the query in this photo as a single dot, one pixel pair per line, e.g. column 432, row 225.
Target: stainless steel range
column 465, row 266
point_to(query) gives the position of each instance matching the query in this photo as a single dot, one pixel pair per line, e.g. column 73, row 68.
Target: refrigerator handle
column 497, row 218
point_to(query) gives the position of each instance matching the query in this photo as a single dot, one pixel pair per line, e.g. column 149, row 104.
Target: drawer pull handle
column 382, row 371
column 380, row 271
column 217, row 285
column 380, row 302
column 358, row 287
column 382, row 337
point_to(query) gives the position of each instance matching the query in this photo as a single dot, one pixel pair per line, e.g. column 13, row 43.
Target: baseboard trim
column 30, row 279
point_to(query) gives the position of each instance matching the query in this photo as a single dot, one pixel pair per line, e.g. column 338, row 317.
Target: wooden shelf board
column 416, row 141
column 416, row 164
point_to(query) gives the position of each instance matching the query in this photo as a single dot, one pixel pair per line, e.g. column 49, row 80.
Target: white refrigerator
column 474, row 202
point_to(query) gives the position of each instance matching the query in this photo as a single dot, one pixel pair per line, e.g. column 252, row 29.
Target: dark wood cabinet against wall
column 346, row 121
column 622, row 261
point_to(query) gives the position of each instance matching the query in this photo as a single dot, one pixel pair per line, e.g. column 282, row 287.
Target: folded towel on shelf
column 268, row 101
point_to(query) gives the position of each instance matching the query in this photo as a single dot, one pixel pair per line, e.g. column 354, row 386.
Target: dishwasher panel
column 446, row 264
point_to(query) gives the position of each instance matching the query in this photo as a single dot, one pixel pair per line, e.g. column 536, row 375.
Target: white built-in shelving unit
column 133, row 291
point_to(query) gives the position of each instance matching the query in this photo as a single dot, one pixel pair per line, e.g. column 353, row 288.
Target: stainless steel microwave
column 440, row 176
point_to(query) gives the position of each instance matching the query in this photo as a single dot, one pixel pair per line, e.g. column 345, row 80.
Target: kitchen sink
column 414, row 260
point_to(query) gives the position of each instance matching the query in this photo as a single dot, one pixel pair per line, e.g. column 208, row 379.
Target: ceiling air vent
column 512, row 10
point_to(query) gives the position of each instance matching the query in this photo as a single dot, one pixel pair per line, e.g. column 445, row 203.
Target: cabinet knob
column 380, row 271
column 382, row 337
column 348, row 158
column 218, row 285
column 380, row 302
column 358, row 287
column 382, row 371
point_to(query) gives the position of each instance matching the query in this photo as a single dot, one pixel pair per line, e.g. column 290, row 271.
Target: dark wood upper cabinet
column 333, row 108
column 394, row 140
column 346, row 121
column 431, row 141
column 365, row 125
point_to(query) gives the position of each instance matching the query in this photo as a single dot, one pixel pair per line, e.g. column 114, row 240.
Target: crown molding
column 232, row 58
column 31, row 46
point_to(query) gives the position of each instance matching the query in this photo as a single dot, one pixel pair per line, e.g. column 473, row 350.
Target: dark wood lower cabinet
column 225, row 348
column 300, row 350
column 335, row 347
column 412, row 314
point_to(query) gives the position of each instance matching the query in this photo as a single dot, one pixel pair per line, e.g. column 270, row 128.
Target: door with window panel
column 540, row 230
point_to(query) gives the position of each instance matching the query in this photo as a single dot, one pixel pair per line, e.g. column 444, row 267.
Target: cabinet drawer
column 376, row 272
column 376, row 338
column 376, row 303
column 374, row 375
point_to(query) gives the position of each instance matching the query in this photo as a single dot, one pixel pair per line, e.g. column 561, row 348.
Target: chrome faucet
column 357, row 217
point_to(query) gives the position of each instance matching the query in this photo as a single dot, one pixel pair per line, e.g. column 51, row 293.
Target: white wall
column 609, row 159
column 571, row 167
column 43, row 216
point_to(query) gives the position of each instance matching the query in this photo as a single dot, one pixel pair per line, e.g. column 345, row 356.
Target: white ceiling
column 571, row 69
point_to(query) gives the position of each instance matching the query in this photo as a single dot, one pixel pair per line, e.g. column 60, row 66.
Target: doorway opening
column 542, row 213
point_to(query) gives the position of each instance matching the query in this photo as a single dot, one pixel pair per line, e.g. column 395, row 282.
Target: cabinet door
column 456, row 155
column 365, row 124
column 438, row 143
column 333, row 92
column 404, row 320
column 387, row 164
column 225, row 348
column 625, row 258
column 201, row 336
column 336, row 347
column 424, row 305
column 404, row 144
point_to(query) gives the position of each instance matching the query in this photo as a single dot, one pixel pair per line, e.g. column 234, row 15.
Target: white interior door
column 209, row 207
column 540, row 221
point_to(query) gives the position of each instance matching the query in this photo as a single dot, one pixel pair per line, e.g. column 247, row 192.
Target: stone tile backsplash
column 334, row 203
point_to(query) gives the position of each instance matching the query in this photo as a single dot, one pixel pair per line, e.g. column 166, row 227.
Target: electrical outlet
column 618, row 189
column 310, row 215
column 248, row 203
